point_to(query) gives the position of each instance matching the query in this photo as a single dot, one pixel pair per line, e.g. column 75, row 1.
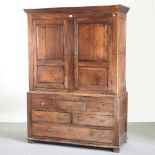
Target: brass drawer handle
column 43, row 104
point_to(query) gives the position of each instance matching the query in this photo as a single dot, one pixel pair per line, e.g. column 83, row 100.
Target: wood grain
column 105, row 108
column 77, row 76
column 44, row 105
column 50, row 74
column 92, row 42
column 54, row 42
column 92, row 77
column 70, row 105
column 51, row 117
column 69, row 132
column 97, row 119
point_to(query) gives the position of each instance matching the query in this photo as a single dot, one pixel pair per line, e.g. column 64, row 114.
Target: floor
column 141, row 141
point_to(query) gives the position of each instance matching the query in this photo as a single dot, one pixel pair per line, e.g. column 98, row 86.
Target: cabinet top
column 111, row 8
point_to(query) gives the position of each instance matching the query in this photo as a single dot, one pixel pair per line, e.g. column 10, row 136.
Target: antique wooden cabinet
column 77, row 76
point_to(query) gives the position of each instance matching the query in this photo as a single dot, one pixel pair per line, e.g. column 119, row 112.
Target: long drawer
column 72, row 133
column 107, row 108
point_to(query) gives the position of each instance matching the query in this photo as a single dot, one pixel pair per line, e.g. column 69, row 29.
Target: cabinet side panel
column 123, row 104
column 121, row 54
column 29, row 118
column 31, row 53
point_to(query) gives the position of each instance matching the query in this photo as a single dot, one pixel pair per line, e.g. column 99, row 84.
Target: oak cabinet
column 77, row 75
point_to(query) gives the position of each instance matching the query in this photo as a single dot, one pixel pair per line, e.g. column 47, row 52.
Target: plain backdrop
column 140, row 50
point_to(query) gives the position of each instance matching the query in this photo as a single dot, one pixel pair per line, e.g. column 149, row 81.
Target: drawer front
column 54, row 105
column 106, row 108
column 93, row 119
column 70, row 105
column 44, row 105
column 54, row 117
column 72, row 133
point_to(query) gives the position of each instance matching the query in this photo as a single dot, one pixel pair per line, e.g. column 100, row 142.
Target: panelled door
column 86, row 41
column 92, row 57
column 50, row 60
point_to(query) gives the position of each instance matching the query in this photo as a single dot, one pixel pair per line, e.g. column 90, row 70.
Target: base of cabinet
column 116, row 150
column 30, row 141
column 75, row 143
column 59, row 118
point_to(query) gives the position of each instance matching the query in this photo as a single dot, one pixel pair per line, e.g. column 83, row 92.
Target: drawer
column 106, row 108
column 51, row 102
column 54, row 105
column 44, row 105
column 70, row 105
column 93, row 119
column 72, row 133
column 53, row 117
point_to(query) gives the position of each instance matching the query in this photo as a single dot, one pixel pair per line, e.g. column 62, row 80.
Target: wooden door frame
column 109, row 22
column 50, row 63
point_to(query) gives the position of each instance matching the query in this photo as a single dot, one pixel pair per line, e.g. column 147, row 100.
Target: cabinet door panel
column 54, row 44
column 92, row 46
column 92, row 77
column 40, row 36
column 50, row 63
column 50, row 74
column 92, row 43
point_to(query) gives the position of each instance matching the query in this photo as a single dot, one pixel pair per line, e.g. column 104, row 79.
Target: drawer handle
column 43, row 104
column 50, row 130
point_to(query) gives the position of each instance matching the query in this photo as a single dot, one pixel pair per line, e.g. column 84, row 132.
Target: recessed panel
column 54, row 42
column 92, row 42
column 50, row 74
column 49, row 41
column 93, row 77
column 40, row 36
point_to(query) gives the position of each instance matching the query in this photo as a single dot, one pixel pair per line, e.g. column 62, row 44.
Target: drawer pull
column 50, row 130
column 43, row 104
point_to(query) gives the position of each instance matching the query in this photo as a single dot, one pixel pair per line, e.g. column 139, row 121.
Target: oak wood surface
column 54, row 117
column 77, row 133
column 77, row 69
column 111, row 8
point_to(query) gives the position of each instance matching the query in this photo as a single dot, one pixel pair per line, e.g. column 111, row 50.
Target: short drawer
column 93, row 119
column 56, row 105
column 70, row 105
column 72, row 133
column 44, row 105
column 53, row 117
column 106, row 108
